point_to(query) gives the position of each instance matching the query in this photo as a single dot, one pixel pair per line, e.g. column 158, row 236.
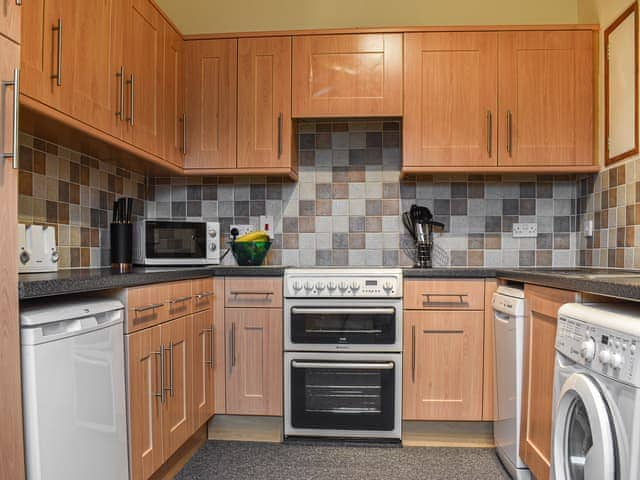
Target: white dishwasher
column 74, row 390
column 509, row 311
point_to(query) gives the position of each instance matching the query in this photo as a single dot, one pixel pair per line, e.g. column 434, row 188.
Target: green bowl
column 250, row 253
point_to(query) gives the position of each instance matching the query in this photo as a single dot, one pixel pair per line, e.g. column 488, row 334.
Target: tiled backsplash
column 75, row 193
column 345, row 209
column 611, row 200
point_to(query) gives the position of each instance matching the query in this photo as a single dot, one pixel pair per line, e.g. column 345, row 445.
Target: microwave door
column 175, row 240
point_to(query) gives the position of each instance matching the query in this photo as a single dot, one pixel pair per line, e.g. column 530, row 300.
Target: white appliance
column 74, row 390
column 37, row 250
column 343, row 353
column 509, row 314
column 596, row 395
column 176, row 242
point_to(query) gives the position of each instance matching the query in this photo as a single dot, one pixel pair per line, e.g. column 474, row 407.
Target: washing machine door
column 583, row 446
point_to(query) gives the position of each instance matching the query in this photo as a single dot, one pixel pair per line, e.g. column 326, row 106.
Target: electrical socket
column 588, row 228
column 524, row 230
column 242, row 229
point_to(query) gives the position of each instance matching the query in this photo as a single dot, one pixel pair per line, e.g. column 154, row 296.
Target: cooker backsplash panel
column 345, row 209
column 75, row 193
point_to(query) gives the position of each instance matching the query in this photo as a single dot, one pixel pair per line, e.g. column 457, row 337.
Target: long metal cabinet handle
column 344, row 366
column 15, row 154
column 413, row 354
column 279, row 134
column 489, row 132
column 201, row 295
column 171, row 385
column 19, row 3
column 183, row 119
column 232, row 340
column 250, row 292
column 132, row 98
column 162, row 393
column 180, row 300
column 148, row 307
column 58, row 75
column 346, row 310
column 120, row 75
column 509, row 132
column 461, row 298
column 204, row 332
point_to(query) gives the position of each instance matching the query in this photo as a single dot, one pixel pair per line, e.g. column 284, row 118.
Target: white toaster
column 37, row 250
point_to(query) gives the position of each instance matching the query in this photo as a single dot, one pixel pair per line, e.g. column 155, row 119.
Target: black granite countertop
column 63, row 282
column 449, row 272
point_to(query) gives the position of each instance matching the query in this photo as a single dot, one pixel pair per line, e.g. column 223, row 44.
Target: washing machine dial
column 604, row 356
column 588, row 349
column 617, row 360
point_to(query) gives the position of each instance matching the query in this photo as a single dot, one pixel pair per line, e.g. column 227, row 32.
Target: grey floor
column 267, row 461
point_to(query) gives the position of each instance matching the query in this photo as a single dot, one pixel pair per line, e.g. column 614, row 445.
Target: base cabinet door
column 537, row 380
column 443, row 374
column 145, row 402
column 254, row 366
column 202, row 366
column 176, row 421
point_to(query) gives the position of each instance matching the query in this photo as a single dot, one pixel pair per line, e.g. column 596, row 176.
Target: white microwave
column 166, row 243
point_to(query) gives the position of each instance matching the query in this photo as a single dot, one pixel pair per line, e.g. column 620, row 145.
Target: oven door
column 343, row 395
column 175, row 241
column 343, row 324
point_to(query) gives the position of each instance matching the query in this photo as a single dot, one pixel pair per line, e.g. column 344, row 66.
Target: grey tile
column 528, row 206
column 356, row 241
column 257, row 208
column 194, row 192
column 459, row 206
column 290, row 224
column 390, row 190
column 527, row 258
column 241, row 209
column 340, row 240
column 323, row 258
column 178, row 209
column 257, row 192
column 458, row 190
column 373, row 207
column 544, row 241
column 493, row 224
column 307, row 207
column 209, row 192
column 194, row 209
column 356, row 224
column 510, row 207
column 340, row 257
column 441, row 207
column 561, row 224
column 274, row 191
column 323, row 190
column 390, row 258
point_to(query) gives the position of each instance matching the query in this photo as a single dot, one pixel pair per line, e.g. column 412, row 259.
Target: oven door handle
column 330, row 311
column 342, row 366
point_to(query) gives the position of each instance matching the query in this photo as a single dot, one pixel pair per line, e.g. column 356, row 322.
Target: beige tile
column 25, row 209
column 75, row 238
column 52, row 188
column 39, row 210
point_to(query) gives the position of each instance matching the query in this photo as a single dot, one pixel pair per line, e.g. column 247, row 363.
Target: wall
column 74, row 193
column 610, row 199
column 345, row 210
column 206, row 16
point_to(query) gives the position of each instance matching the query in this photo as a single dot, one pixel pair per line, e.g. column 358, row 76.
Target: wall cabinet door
column 443, row 365
column 354, row 75
column 450, row 103
column 254, row 366
column 94, row 32
column 40, row 55
column 143, row 54
column 546, row 98
column 537, row 384
column 11, row 438
column 264, row 102
column 145, row 407
column 173, row 93
column 211, row 104
column 10, row 20
column 176, row 421
column 202, row 367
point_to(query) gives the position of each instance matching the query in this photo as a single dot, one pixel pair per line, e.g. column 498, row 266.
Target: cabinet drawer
column 444, row 294
column 202, row 291
column 179, row 298
column 146, row 306
column 253, row 292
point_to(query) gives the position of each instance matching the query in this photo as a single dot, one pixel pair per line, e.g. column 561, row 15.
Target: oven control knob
column 343, row 286
column 588, row 349
column 319, row 286
column 355, row 286
column 331, row 285
column 604, row 356
column 308, row 285
column 297, row 285
column 616, row 360
column 388, row 285
column 212, row 246
column 212, row 233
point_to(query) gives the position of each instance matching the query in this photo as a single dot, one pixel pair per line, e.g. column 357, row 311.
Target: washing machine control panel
column 605, row 351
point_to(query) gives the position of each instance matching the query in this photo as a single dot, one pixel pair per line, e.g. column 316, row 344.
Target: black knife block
column 121, row 247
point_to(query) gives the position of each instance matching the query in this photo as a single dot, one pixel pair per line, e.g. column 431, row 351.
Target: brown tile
column 74, row 193
column 458, row 258
column 63, row 191
column 604, row 219
column 26, row 158
column 74, row 172
column 307, row 208
column 323, row 140
column 373, row 224
column 340, row 190
column 52, row 212
column 619, row 258
column 622, row 174
column 356, row 174
column 323, row 127
column 373, row 207
column 493, row 241
column 475, row 190
column 631, row 214
column 561, row 241
column 63, row 213
column 307, row 224
column 85, row 257
column 620, row 236
column 629, row 234
column 119, row 185
column 390, row 190
column 390, row 207
column 323, row 208
column 340, row 127
column 613, row 178
column 356, row 241
column 39, row 163
column 340, row 174
column 95, row 237
column 85, row 237
column 290, row 241
column 84, row 175
column 613, row 198
column 475, row 241
column 544, row 258
column 475, row 258
column 323, row 190
column 25, row 183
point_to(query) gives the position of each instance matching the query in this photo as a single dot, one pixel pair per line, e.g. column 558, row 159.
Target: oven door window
column 342, row 395
column 175, row 239
column 375, row 326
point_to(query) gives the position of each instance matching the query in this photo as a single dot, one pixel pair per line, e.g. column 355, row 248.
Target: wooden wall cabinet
column 211, row 104
column 450, row 99
column 174, row 89
column 264, row 103
column 10, row 14
column 347, row 75
column 537, row 385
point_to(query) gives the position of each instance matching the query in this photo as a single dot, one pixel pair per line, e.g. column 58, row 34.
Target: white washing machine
column 596, row 424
